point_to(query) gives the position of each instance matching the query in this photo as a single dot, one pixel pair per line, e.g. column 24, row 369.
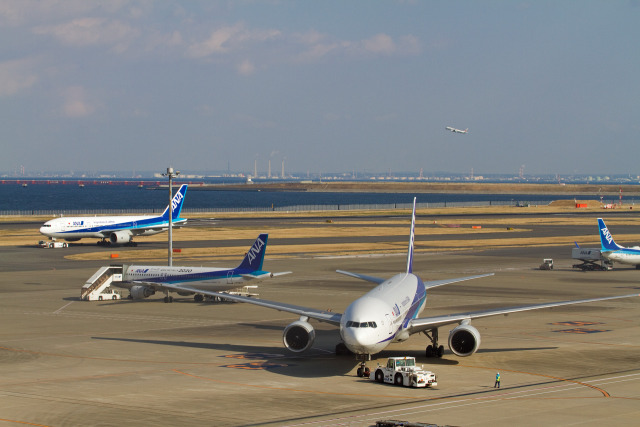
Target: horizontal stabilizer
column 264, row 275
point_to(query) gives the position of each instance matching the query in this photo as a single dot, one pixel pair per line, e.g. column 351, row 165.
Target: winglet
column 176, row 203
column 255, row 256
column 607, row 243
column 411, row 239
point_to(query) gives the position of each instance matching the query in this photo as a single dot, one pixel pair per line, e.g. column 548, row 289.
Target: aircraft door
column 390, row 323
column 230, row 277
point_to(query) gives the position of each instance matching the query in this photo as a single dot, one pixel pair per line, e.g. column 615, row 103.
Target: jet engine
column 120, row 237
column 140, row 292
column 298, row 336
column 464, row 340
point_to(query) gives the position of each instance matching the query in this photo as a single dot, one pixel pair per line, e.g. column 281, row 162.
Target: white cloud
column 230, row 39
column 380, row 43
column 76, row 103
column 246, row 68
column 318, row 46
column 16, row 75
column 84, row 32
column 31, row 12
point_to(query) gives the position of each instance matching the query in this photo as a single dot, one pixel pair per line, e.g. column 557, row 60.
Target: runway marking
column 576, row 323
column 63, row 307
column 604, row 393
column 23, row 422
column 257, row 366
column 294, row 389
column 582, row 331
column 73, row 356
column 254, row 356
column 447, row 405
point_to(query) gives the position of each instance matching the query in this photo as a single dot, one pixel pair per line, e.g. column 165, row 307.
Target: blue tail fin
column 255, row 256
column 606, row 239
column 176, row 203
column 411, row 239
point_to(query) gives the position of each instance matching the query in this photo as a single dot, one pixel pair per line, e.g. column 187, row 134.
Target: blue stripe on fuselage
column 199, row 277
column 143, row 223
column 418, row 302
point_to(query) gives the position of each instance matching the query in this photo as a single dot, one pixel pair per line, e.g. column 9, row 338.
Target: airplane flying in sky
column 115, row 229
column 454, row 130
column 145, row 280
column 614, row 252
column 389, row 313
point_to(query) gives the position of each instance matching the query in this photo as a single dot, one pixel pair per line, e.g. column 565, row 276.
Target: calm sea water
column 54, row 197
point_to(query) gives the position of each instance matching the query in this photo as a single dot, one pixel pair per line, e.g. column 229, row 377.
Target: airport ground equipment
column 403, row 371
column 547, row 264
column 591, row 258
column 97, row 287
column 52, row 244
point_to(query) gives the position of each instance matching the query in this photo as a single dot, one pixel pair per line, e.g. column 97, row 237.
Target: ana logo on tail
column 176, row 200
column 606, row 234
column 255, row 250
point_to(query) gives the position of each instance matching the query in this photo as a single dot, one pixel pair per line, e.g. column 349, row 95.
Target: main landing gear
column 167, row 298
column 433, row 350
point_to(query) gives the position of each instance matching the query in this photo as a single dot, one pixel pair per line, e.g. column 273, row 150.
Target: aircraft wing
column 429, row 284
column 435, row 283
column 421, row 324
column 321, row 315
column 373, row 279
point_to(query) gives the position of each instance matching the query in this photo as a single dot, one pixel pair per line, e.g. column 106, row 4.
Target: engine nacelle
column 140, row 292
column 120, row 237
column 464, row 340
column 298, row 336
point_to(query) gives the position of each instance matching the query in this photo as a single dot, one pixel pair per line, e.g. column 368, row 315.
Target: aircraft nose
column 358, row 340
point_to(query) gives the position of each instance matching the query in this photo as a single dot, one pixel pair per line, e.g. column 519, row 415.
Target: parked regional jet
column 454, row 130
column 614, row 252
column 117, row 229
column 389, row 313
column 144, row 280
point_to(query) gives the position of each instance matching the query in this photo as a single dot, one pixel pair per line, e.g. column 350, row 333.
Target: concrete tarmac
column 66, row 362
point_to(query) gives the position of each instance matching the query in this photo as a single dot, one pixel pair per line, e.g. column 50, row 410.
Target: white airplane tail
column 411, row 239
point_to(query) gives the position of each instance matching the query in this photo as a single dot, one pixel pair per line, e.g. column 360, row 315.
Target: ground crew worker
column 497, row 384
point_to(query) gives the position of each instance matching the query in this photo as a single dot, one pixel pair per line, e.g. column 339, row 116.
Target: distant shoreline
column 426, row 187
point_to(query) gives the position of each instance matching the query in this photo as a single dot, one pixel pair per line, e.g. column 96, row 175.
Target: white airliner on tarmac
column 144, row 280
column 614, row 252
column 389, row 313
column 454, row 130
column 118, row 229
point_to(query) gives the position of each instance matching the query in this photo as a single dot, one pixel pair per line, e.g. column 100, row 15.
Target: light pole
column 171, row 174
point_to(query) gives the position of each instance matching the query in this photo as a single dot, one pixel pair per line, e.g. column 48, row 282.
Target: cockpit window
column 351, row 324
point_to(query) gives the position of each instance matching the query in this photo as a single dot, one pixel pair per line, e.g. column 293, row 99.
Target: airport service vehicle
column 52, row 244
column 388, row 313
column 547, row 264
column 107, row 294
column 116, row 230
column 403, row 371
column 591, row 258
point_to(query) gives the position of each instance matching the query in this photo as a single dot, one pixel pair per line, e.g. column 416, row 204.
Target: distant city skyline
column 327, row 86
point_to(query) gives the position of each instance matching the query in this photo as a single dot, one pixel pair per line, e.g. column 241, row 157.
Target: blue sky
column 326, row 86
